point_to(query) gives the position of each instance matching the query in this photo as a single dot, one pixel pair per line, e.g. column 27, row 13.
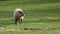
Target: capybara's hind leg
column 21, row 21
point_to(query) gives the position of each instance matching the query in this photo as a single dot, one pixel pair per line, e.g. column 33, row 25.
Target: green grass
column 34, row 12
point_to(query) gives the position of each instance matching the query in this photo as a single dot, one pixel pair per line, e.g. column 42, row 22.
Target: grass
column 34, row 11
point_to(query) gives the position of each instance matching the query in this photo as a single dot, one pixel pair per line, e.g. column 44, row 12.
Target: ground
column 41, row 17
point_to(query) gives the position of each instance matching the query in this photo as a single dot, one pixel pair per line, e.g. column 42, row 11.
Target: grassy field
column 43, row 14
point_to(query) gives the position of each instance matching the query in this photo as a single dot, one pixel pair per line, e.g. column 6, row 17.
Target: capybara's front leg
column 20, row 21
column 15, row 21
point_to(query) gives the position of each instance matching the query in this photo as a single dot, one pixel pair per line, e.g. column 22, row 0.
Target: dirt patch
column 41, row 28
column 33, row 29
